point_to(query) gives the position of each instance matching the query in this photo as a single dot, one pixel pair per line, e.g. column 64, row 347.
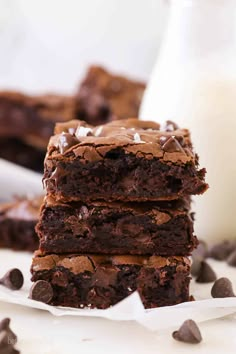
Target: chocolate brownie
column 103, row 96
column 17, row 224
column 32, row 118
column 126, row 160
column 98, row 281
column 114, row 228
column 17, row 151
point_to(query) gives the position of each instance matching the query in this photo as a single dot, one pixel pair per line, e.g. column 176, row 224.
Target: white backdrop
column 47, row 44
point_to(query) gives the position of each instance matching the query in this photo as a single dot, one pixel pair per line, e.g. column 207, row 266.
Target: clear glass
column 194, row 84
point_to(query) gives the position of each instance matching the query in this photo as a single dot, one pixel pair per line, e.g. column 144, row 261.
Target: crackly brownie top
column 22, row 209
column 81, row 263
column 141, row 138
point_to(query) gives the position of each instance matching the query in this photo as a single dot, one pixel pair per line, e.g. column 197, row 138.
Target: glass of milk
column 194, row 84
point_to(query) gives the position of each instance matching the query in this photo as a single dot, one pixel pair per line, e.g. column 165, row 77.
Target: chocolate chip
column 231, row 260
column 222, row 288
column 188, row 333
column 206, row 274
column 195, row 267
column 84, row 213
column 4, row 324
column 60, row 279
column 198, row 255
column 170, row 126
column 41, row 291
column 13, row 279
column 171, row 144
column 201, row 252
column 222, row 250
column 65, row 141
column 7, row 338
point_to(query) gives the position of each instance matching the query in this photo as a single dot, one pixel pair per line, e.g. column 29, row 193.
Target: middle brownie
column 164, row 228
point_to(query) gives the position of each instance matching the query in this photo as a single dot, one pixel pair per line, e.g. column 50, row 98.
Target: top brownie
column 126, row 160
column 104, row 96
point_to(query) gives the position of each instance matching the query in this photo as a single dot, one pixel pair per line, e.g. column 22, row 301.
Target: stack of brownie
column 116, row 217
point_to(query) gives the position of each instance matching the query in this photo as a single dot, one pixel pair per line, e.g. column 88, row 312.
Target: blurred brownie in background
column 17, row 151
column 17, row 224
column 27, row 122
column 104, row 96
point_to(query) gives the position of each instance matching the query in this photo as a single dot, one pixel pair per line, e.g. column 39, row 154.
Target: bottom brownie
column 101, row 281
column 17, row 224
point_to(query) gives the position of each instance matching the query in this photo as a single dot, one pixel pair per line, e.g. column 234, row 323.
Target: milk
column 195, row 85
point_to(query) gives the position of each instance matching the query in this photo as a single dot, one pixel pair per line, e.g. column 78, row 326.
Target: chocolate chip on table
column 206, row 274
column 222, row 288
column 13, row 279
column 201, row 252
column 195, row 267
column 188, row 333
column 8, row 339
column 222, row 250
column 198, row 255
column 231, row 260
column 41, row 291
column 5, row 326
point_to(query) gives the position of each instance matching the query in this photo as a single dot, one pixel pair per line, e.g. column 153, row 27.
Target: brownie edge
column 116, row 228
column 126, row 160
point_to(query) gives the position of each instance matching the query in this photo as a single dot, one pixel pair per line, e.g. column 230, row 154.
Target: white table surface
column 41, row 333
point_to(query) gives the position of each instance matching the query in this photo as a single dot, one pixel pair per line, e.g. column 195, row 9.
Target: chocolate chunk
column 41, row 291
column 65, row 141
column 222, row 250
column 13, row 279
column 231, row 260
column 188, row 333
column 171, row 144
column 222, row 288
column 206, row 274
column 170, row 126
